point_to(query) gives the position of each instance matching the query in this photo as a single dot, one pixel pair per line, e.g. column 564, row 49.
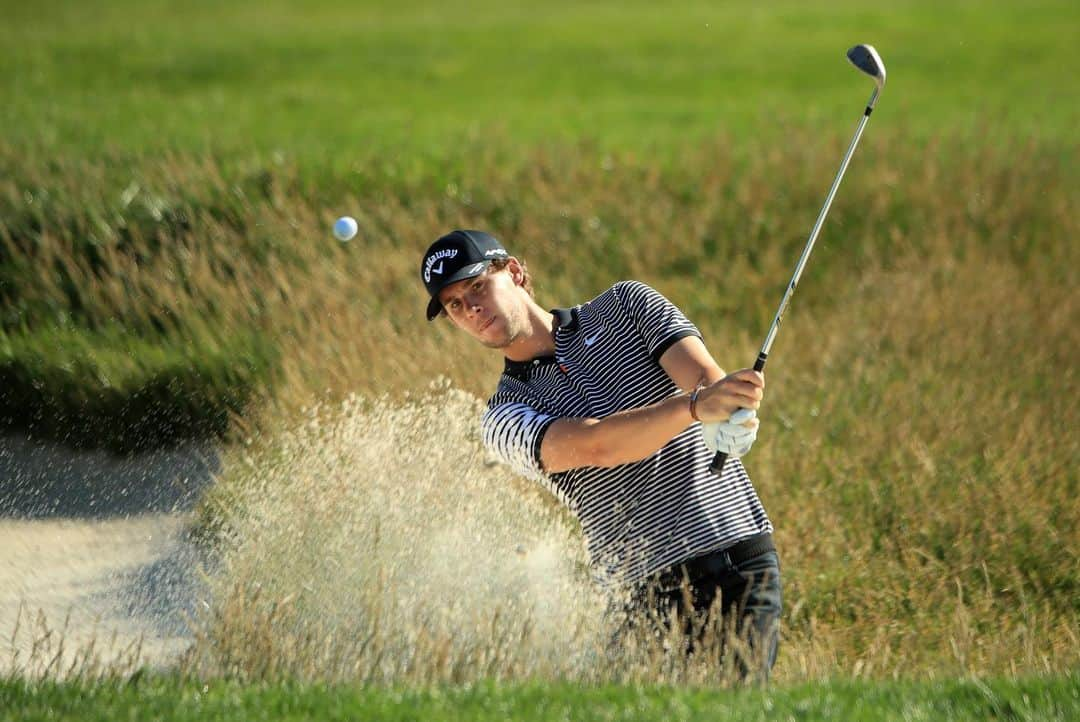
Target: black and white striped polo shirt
column 637, row 518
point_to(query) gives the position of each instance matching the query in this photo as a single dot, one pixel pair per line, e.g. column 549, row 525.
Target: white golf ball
column 345, row 228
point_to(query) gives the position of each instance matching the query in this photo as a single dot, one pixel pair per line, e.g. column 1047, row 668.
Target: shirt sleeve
column 658, row 320
column 513, row 432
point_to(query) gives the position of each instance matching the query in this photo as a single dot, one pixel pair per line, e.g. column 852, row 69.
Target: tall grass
column 43, row 650
column 194, row 248
column 918, row 454
column 376, row 543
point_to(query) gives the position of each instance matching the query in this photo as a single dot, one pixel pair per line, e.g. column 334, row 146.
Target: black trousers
column 741, row 584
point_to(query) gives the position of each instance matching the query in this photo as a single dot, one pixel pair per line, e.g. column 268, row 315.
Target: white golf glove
column 731, row 437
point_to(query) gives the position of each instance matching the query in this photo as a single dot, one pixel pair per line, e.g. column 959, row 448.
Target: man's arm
column 689, row 364
column 636, row 434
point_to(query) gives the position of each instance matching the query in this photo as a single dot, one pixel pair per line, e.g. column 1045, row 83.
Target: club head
column 866, row 59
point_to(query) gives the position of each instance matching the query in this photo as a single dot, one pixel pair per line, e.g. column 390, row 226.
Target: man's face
column 490, row 307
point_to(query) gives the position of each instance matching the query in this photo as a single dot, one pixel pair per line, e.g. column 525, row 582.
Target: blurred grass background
column 341, row 78
column 168, row 177
column 169, row 173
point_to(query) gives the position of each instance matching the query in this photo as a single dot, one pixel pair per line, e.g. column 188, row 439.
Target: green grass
column 167, row 182
column 407, row 78
column 115, row 390
column 165, row 699
column 140, row 136
column 185, row 248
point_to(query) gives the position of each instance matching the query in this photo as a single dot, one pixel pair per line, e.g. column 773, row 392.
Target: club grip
column 718, row 461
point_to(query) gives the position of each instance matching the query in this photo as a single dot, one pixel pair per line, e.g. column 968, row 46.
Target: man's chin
column 499, row 340
column 497, row 343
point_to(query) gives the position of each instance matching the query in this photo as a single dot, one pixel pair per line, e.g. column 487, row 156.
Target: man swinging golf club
column 617, row 407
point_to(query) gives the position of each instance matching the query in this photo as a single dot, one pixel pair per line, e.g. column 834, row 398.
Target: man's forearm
column 636, row 434
column 633, row 434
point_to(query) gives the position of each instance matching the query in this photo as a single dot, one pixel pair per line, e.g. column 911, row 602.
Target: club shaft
column 720, row 458
column 801, row 265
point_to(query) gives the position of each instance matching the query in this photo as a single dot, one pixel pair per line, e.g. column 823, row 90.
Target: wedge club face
column 866, row 59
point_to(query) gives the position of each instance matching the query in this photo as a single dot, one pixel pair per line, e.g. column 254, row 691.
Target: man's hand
column 740, row 390
column 733, row 437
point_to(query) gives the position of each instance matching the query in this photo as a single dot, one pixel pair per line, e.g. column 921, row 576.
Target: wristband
column 693, row 403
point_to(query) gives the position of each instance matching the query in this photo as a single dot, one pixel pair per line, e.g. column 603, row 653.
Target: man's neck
column 539, row 340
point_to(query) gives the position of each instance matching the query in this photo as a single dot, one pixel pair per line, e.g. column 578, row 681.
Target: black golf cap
column 454, row 257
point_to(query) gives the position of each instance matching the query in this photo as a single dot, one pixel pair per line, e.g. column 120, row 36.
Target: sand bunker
column 93, row 563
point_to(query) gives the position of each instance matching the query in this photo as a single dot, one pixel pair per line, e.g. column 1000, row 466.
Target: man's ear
column 517, row 273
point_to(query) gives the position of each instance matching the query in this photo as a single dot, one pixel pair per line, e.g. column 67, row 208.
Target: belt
column 716, row 562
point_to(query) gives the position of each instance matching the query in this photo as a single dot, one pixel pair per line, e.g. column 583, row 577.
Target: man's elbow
column 588, row 446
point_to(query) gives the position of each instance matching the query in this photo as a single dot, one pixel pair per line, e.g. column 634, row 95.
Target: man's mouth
column 487, row 323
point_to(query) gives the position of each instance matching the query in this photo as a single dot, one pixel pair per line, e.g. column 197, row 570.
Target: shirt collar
column 566, row 319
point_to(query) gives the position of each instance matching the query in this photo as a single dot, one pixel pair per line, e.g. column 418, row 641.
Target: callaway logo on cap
column 454, row 257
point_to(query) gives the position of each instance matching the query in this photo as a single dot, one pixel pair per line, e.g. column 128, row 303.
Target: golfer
column 617, row 407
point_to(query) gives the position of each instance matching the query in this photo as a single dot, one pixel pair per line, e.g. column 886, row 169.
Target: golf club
column 866, row 59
